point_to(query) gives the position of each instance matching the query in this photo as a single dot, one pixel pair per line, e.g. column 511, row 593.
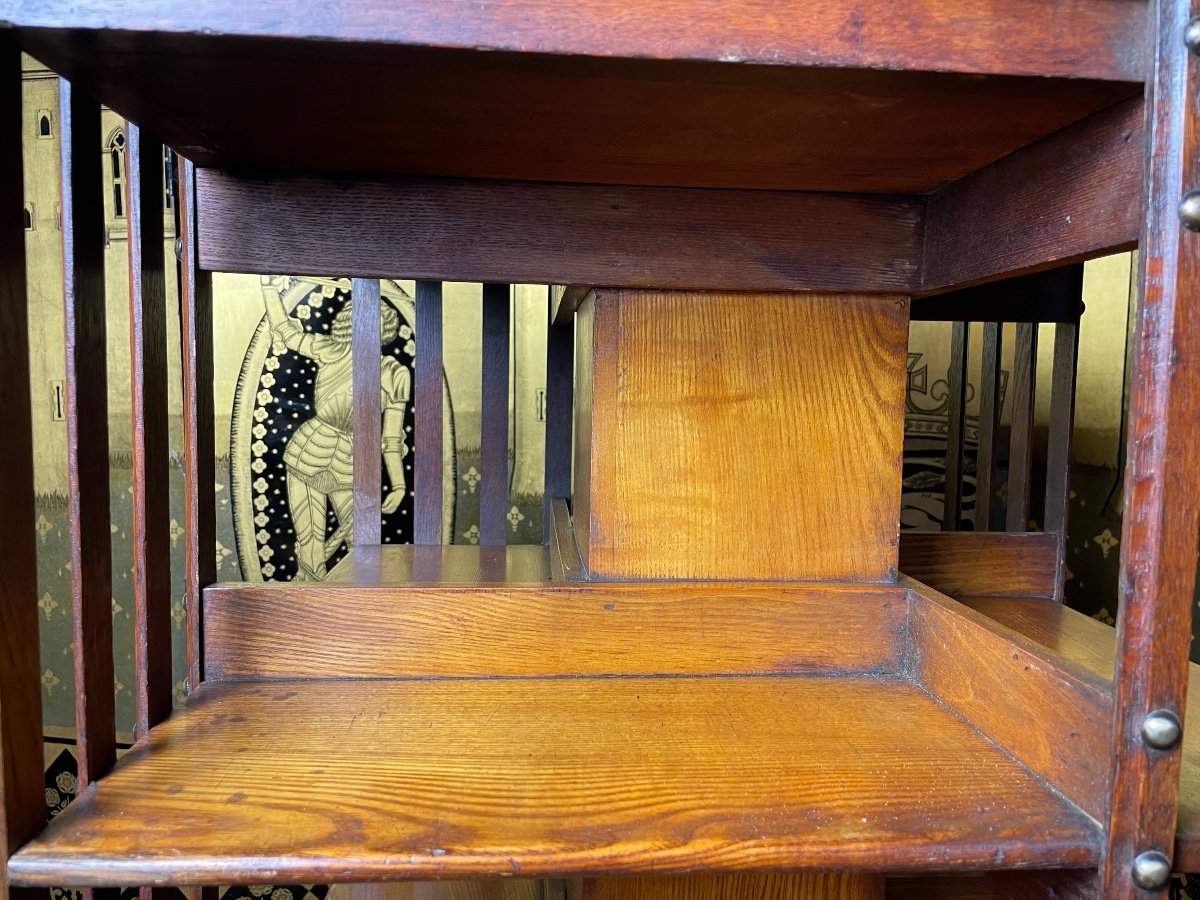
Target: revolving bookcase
column 703, row 685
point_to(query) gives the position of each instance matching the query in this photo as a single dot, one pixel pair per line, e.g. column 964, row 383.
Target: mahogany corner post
column 1162, row 485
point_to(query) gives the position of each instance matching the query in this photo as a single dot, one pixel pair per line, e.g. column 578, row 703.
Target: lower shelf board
column 340, row 781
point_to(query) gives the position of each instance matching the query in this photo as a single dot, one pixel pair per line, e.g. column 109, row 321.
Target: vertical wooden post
column 1023, row 388
column 368, row 411
column 1058, row 448
column 22, row 807
column 560, row 380
column 1162, row 483
column 427, row 416
column 956, row 418
column 989, row 425
column 200, row 508
column 151, row 443
column 493, row 443
column 87, row 433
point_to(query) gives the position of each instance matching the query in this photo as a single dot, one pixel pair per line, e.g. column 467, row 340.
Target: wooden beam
column 980, row 563
column 493, row 426
column 151, row 430
column 1069, row 197
column 427, row 416
column 989, row 426
column 560, row 383
column 366, row 379
column 956, row 420
column 564, row 300
column 348, row 630
column 538, row 233
column 1162, row 483
column 22, row 806
column 1075, row 39
column 565, row 562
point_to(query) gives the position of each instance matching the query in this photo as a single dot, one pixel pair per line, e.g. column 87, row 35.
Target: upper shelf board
column 808, row 97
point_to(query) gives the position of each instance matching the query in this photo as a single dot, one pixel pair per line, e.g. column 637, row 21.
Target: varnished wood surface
column 150, row 443
column 973, row 563
column 366, row 380
column 1059, row 439
column 703, row 405
column 565, row 562
column 86, row 411
column 728, row 774
column 1023, row 387
column 742, row 886
column 1093, row 645
column 199, row 448
column 1077, row 39
column 331, row 631
column 235, row 102
column 427, row 416
column 22, row 806
column 402, row 564
column 1161, row 517
column 1070, row 197
column 550, row 233
column 1048, row 711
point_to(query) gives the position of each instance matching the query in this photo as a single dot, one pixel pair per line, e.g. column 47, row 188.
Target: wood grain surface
column 427, row 416
column 150, row 445
column 1048, row 711
column 352, row 631
column 86, row 411
column 287, row 778
column 551, row 233
column 565, row 562
column 703, row 406
column 405, row 564
column 973, row 563
column 1077, row 38
column 234, row 103
column 1070, row 197
column 22, row 805
column 742, row 886
column 366, row 384
column 1162, row 484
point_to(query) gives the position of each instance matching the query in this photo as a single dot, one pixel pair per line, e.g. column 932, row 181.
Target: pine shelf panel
column 312, row 781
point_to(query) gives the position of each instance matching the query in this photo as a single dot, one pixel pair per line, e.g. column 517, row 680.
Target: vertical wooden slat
column 560, row 378
column 956, row 416
column 368, row 412
column 199, row 477
column 151, row 443
column 989, row 424
column 22, row 805
column 1058, row 448
column 1162, row 482
column 87, row 433
column 427, row 416
column 493, row 443
column 1023, row 388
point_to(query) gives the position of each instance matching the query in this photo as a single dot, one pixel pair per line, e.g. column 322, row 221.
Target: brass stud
column 1161, row 729
column 1191, row 35
column 1189, row 210
column 1151, row 870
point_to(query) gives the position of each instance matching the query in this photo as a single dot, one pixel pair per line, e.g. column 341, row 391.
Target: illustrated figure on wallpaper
column 319, row 455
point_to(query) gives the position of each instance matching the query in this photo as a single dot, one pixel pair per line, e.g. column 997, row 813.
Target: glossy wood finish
column 1058, row 443
column 974, row 563
column 366, row 381
column 1048, row 712
column 405, row 564
column 1064, row 199
column 151, row 438
column 661, row 783
column 86, row 413
column 22, row 806
column 551, row 233
column 1078, row 40
column 493, row 447
column 199, row 450
column 691, row 393
column 582, row 629
column 566, row 564
column 427, row 416
column 746, row 886
column 1162, row 488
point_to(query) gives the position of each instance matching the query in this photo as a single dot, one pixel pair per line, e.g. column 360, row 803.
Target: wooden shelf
column 373, row 780
column 1093, row 644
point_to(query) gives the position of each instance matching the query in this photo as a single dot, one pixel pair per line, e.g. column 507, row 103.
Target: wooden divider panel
column 493, row 438
column 979, row 563
column 427, row 416
column 368, row 411
column 739, row 436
